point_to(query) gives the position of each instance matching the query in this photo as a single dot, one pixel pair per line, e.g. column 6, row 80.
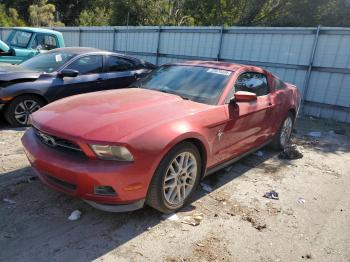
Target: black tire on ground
column 276, row 141
column 155, row 197
column 25, row 103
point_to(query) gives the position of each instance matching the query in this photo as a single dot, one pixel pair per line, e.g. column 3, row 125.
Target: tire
column 282, row 137
column 18, row 111
column 171, row 187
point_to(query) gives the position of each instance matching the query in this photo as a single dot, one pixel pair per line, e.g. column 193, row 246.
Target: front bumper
column 78, row 176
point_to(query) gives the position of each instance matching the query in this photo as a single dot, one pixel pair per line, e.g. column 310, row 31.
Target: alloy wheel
column 286, row 130
column 24, row 109
column 180, row 178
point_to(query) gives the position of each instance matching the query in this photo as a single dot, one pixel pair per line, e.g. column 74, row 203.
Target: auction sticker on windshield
column 219, row 72
column 58, row 58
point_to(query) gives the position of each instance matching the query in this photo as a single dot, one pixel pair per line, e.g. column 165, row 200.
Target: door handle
column 270, row 107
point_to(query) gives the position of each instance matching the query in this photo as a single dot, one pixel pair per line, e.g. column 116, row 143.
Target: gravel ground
column 310, row 221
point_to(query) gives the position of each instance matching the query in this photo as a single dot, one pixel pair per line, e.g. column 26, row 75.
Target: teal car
column 24, row 42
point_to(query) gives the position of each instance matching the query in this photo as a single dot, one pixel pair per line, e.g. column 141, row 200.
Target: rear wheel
column 176, row 178
column 18, row 111
column 282, row 137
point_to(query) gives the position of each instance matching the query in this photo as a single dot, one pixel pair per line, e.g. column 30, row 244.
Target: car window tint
column 252, row 82
column 116, row 64
column 200, row 84
column 44, row 42
column 47, row 62
column 88, row 65
column 19, row 38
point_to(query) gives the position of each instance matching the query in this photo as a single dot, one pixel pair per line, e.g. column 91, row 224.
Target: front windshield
column 47, row 62
column 200, row 84
column 18, row 38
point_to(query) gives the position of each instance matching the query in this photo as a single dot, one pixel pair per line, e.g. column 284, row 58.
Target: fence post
column 220, row 43
column 79, row 39
column 158, row 42
column 309, row 70
column 114, row 31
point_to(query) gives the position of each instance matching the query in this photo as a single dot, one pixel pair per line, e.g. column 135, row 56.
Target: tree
column 96, row 17
column 43, row 14
column 10, row 18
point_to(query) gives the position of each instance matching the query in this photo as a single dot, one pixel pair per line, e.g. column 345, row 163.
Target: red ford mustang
column 152, row 143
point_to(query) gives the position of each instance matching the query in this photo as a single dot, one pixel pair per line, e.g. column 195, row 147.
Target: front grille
column 61, row 183
column 57, row 142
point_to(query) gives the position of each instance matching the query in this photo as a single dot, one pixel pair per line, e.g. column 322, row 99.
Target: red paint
column 149, row 123
column 242, row 96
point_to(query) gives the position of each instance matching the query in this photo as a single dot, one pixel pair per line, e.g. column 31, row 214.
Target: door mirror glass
column 68, row 73
column 243, row 96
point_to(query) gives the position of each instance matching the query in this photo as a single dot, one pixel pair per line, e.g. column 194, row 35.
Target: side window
column 44, row 42
column 88, row 65
column 279, row 84
column 117, row 64
column 252, row 82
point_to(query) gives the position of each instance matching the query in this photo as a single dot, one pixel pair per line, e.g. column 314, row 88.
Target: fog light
column 105, row 191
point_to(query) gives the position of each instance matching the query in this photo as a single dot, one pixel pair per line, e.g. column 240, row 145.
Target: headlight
column 108, row 152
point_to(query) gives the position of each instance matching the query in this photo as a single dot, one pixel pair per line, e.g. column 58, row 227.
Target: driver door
column 248, row 122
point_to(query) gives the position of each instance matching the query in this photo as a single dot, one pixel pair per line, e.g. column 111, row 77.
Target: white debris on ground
column 301, row 200
column 271, row 195
column 75, row 215
column 9, row 201
column 193, row 220
column 315, row 134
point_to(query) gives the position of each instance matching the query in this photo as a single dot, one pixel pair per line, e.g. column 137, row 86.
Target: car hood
column 13, row 72
column 111, row 115
column 4, row 47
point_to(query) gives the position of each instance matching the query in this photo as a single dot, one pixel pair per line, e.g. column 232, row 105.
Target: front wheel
column 18, row 111
column 282, row 137
column 175, row 179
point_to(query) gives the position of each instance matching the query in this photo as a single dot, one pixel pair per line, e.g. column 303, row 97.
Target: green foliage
column 10, row 17
column 179, row 12
column 96, row 17
column 43, row 14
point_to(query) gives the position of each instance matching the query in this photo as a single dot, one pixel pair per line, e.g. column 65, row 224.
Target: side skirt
column 216, row 168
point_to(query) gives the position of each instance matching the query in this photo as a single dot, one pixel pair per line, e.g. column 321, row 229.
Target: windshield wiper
column 173, row 93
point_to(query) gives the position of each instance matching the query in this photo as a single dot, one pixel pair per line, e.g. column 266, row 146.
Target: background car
column 153, row 144
column 23, row 43
column 63, row 72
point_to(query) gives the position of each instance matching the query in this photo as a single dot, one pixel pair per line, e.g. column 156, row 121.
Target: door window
column 117, row 64
column 252, row 82
column 44, row 42
column 88, row 65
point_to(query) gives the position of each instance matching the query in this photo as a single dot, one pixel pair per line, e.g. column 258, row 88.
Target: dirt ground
column 310, row 221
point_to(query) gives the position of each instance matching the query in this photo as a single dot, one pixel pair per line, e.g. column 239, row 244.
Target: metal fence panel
column 286, row 52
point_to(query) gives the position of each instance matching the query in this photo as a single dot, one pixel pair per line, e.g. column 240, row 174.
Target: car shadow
column 36, row 227
column 6, row 126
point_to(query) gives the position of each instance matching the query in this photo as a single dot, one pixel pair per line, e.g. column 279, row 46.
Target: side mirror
column 68, row 73
column 243, row 96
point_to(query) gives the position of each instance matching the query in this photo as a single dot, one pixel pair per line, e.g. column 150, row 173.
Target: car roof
column 38, row 30
column 78, row 50
column 91, row 50
column 214, row 64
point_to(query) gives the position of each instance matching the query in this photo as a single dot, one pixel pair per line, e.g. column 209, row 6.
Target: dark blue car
column 63, row 72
